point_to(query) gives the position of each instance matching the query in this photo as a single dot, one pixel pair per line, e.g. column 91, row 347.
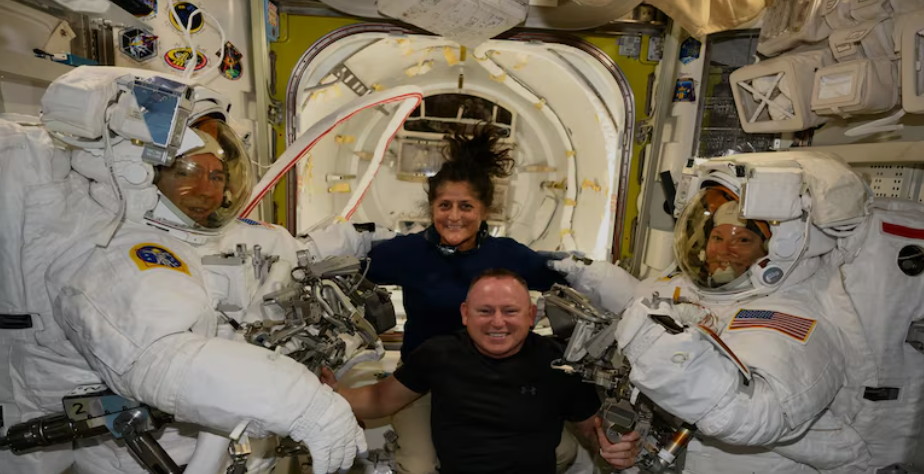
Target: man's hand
column 620, row 455
column 328, row 378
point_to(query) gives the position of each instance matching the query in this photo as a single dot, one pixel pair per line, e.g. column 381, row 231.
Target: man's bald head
column 501, row 273
column 498, row 313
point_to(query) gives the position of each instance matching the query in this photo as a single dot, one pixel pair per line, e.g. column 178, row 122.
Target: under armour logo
column 524, row 390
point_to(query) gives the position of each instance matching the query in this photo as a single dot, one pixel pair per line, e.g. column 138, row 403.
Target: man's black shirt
column 496, row 415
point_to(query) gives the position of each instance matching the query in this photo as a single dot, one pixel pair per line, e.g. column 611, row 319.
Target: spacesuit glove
column 607, row 285
column 342, row 238
column 636, row 330
column 330, row 431
column 552, row 255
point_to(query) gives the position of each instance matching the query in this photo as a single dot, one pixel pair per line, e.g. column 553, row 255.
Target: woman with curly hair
column 436, row 266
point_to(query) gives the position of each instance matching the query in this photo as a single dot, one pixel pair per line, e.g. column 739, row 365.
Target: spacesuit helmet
column 714, row 247
column 206, row 186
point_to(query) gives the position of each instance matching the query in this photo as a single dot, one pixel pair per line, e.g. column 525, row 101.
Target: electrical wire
column 82, row 143
column 360, row 280
column 187, row 34
column 109, row 231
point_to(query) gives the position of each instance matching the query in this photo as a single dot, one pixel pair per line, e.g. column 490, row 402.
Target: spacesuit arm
column 684, row 374
column 606, row 284
column 145, row 333
column 342, row 238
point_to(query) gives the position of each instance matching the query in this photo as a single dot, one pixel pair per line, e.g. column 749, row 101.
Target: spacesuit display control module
column 593, row 354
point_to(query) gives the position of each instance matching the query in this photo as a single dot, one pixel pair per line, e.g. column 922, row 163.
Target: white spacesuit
column 133, row 299
column 797, row 388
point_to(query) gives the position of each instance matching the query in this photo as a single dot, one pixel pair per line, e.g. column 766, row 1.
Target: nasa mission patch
column 149, row 256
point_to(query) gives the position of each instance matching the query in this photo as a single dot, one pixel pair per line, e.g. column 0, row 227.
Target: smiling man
column 498, row 406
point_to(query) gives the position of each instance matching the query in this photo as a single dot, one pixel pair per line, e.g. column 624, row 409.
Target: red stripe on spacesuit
column 902, row 231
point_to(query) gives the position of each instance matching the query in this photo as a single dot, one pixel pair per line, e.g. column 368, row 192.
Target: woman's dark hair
column 475, row 160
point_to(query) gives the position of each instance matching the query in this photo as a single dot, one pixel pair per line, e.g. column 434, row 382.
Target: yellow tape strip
column 339, row 188
column 344, row 139
column 570, row 154
column 538, row 169
column 539, row 105
column 499, row 78
column 588, row 184
column 570, row 202
column 450, row 54
column 405, row 45
column 565, row 232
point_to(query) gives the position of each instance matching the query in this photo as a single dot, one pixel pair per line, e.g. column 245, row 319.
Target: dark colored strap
column 15, row 321
column 364, row 227
column 881, row 394
column 667, row 323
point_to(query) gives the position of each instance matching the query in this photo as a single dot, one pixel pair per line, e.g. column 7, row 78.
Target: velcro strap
column 881, row 394
column 15, row 321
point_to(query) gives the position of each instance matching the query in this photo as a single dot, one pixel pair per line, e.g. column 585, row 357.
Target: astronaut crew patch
column 796, row 327
column 149, row 256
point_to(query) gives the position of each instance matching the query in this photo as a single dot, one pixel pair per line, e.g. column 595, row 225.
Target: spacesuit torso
column 800, row 344
column 109, row 277
column 43, row 363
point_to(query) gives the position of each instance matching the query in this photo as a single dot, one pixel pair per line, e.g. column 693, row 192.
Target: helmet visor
column 712, row 245
column 207, row 186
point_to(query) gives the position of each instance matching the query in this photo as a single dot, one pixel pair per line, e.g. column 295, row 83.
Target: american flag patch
column 253, row 222
column 796, row 327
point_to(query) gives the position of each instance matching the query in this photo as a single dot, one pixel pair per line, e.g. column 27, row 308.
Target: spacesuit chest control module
column 593, row 354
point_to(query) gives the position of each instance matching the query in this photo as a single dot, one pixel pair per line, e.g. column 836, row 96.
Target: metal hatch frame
column 608, row 63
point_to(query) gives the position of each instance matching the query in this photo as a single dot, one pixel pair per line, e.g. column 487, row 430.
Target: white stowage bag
column 861, row 86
